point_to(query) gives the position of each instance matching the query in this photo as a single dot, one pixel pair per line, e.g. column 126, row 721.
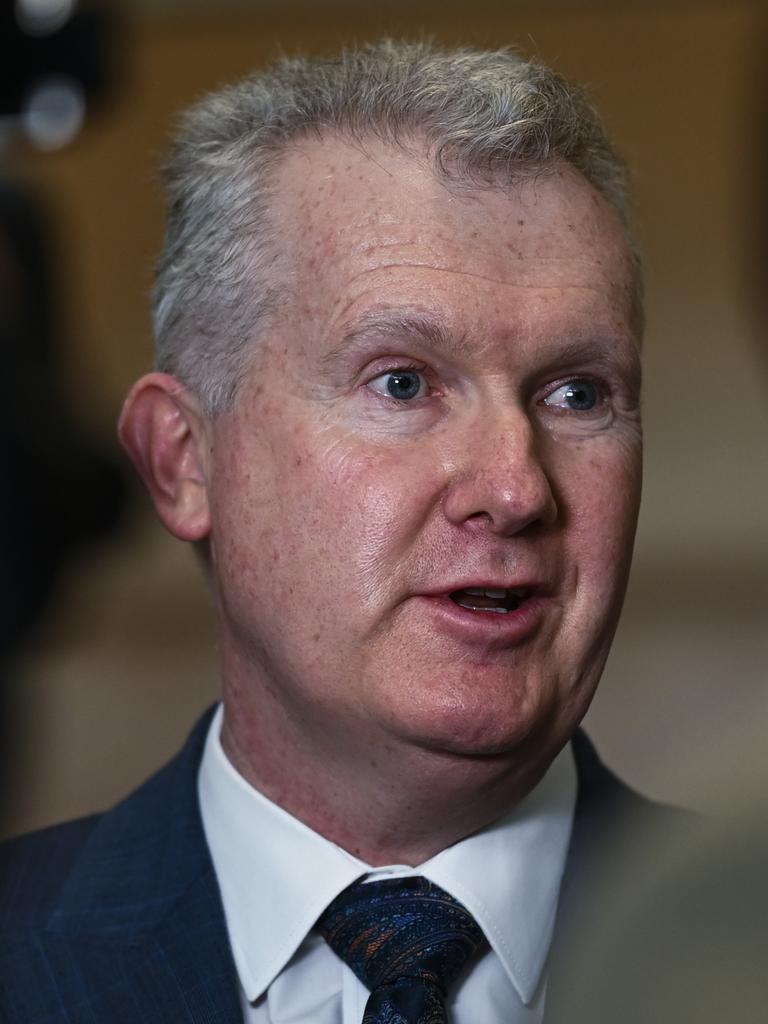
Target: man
column 396, row 407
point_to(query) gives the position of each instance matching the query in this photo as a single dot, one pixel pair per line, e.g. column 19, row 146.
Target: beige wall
column 126, row 659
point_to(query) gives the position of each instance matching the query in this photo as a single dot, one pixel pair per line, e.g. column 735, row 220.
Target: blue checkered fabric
column 407, row 940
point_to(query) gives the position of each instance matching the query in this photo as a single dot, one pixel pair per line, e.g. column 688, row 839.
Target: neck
column 400, row 807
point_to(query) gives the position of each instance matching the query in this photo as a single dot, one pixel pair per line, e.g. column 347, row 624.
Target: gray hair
column 484, row 118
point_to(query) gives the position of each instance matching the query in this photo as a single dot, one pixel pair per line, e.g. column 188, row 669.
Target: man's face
column 424, row 498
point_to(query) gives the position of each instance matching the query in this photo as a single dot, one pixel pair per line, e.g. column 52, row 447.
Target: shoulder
column 617, row 840
column 33, row 867
column 105, row 862
column 606, row 802
column 613, row 827
column 612, row 823
column 662, row 910
column 117, row 917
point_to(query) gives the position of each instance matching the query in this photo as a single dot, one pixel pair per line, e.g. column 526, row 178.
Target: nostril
column 504, row 503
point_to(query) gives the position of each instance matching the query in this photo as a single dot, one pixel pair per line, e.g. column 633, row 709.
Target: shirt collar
column 273, row 890
column 508, row 875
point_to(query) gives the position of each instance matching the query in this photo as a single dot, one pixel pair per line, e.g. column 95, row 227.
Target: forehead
column 371, row 223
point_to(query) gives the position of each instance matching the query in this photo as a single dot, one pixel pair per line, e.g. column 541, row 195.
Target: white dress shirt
column 277, row 876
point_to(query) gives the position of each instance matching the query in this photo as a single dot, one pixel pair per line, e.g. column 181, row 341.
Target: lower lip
column 483, row 627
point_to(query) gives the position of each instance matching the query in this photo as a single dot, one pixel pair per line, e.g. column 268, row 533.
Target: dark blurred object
column 55, row 60
column 59, row 490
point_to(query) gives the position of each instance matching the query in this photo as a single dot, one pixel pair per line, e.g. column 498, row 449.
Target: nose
column 499, row 480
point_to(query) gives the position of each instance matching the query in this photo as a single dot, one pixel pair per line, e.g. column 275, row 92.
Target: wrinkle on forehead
column 414, row 284
column 527, row 275
column 356, row 224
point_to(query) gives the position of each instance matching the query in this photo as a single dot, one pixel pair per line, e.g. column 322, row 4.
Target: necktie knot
column 406, row 939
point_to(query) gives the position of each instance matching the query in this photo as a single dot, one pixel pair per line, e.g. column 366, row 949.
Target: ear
column 163, row 430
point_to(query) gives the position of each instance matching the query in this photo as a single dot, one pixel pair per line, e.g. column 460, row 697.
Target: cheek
column 376, row 502
column 601, row 494
column 307, row 507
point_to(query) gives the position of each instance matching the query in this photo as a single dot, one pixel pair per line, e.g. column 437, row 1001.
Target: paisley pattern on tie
column 407, row 940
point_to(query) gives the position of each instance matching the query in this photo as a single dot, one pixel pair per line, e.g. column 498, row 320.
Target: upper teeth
column 487, row 591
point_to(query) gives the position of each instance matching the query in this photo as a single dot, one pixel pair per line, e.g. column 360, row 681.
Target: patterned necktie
column 407, row 941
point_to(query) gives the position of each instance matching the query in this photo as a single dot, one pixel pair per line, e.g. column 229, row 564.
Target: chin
column 484, row 710
column 487, row 731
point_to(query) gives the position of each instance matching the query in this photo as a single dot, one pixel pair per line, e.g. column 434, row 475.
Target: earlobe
column 162, row 429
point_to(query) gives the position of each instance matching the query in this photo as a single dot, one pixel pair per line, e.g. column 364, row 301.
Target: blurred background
column 108, row 654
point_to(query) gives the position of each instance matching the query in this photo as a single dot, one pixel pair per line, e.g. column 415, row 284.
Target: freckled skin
column 332, row 507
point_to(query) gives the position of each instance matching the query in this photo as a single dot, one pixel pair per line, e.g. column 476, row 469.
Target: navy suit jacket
column 117, row 918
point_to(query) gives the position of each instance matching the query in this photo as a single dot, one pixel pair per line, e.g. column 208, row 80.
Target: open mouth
column 483, row 599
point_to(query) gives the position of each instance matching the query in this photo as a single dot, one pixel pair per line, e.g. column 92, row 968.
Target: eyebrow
column 601, row 350
column 383, row 324
column 395, row 324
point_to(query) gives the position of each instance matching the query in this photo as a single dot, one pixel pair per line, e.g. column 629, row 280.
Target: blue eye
column 577, row 396
column 402, row 385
